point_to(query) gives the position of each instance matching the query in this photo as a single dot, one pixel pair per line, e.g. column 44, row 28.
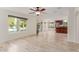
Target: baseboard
column 18, row 38
column 75, row 42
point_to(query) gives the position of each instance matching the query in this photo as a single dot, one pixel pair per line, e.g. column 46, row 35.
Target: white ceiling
column 50, row 11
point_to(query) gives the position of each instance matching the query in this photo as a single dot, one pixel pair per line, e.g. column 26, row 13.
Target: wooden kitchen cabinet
column 61, row 30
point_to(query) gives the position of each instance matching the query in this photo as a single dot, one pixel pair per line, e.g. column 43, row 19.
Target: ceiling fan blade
column 32, row 9
column 43, row 9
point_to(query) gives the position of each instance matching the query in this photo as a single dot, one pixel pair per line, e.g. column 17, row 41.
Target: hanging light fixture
column 37, row 13
column 37, row 10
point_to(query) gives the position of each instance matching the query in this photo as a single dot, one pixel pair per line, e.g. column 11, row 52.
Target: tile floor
column 46, row 42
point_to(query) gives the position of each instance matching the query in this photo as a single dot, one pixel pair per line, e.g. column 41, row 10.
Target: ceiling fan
column 37, row 10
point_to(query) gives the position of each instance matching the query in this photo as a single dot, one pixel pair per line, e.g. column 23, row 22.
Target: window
column 12, row 24
column 16, row 23
column 51, row 25
column 22, row 24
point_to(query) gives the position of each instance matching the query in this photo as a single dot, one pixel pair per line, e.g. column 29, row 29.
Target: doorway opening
column 57, row 29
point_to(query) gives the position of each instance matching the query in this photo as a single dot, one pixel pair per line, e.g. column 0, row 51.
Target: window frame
column 18, row 19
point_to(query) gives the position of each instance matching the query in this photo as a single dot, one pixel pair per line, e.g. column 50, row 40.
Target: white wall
column 3, row 26
column 71, row 25
column 5, row 35
column 77, row 25
column 73, row 31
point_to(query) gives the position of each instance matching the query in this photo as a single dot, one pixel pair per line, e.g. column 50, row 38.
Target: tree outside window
column 12, row 24
column 16, row 24
column 22, row 24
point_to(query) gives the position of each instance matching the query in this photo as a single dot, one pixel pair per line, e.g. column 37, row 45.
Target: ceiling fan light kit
column 37, row 13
